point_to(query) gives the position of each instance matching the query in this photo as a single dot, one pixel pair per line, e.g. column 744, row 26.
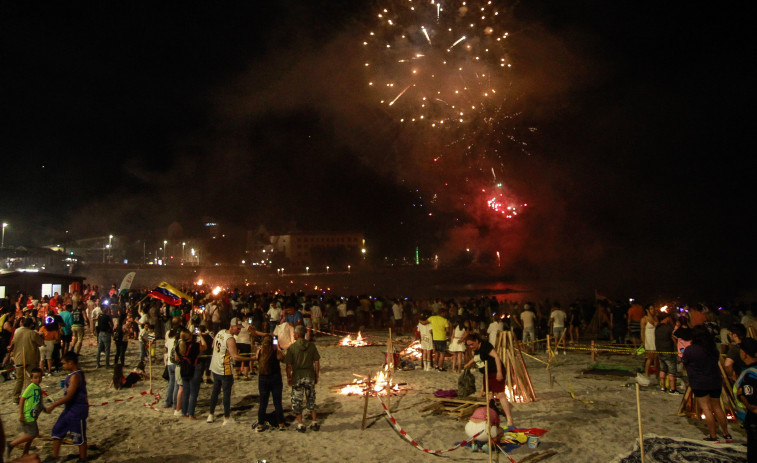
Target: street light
column 348, row 268
column 183, row 255
column 164, row 249
column 2, row 246
column 110, row 245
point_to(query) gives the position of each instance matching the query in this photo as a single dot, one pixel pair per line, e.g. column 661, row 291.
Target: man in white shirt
column 528, row 324
column 274, row 315
column 494, row 328
column 557, row 321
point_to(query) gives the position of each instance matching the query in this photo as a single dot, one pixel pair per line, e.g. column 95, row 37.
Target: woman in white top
column 648, row 324
column 457, row 345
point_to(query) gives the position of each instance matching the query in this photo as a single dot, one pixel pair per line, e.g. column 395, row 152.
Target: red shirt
column 635, row 313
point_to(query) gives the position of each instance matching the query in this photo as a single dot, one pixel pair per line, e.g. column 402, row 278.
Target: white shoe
column 227, row 421
column 211, row 418
column 177, row 413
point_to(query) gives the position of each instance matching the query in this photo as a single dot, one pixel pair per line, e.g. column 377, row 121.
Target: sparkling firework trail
column 450, row 59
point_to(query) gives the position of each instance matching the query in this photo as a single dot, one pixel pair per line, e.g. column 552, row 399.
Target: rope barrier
column 415, row 444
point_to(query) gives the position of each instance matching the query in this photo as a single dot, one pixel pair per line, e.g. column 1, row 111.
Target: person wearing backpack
column 188, row 353
column 104, row 328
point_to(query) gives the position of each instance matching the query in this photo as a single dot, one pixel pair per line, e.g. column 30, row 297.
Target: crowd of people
column 231, row 335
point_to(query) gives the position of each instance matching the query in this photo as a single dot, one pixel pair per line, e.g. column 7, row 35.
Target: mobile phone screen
column 275, row 340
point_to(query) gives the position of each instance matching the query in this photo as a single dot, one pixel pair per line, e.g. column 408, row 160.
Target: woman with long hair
column 701, row 359
column 648, row 325
column 270, row 383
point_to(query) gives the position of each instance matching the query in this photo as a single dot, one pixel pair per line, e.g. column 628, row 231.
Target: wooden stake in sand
column 367, row 395
column 638, row 412
column 149, row 360
column 488, row 423
column 389, row 370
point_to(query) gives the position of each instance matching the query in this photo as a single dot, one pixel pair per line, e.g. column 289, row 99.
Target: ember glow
column 357, row 342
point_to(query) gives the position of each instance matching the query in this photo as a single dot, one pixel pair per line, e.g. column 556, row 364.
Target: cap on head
column 236, row 322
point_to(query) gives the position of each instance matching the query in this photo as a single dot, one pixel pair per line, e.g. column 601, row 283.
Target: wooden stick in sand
column 365, row 404
column 488, row 424
column 638, row 412
column 149, row 362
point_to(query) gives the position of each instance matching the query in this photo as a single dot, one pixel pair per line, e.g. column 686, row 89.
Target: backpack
column 466, row 384
column 104, row 323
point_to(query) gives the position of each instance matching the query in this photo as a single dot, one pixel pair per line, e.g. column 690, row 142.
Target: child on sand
column 29, row 407
column 73, row 419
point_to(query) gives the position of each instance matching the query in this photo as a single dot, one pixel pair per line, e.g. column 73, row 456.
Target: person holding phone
column 270, row 384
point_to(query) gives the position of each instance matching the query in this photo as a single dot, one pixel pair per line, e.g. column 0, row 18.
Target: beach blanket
column 660, row 449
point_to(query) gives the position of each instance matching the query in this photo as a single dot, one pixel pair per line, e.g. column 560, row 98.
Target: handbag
column 165, row 373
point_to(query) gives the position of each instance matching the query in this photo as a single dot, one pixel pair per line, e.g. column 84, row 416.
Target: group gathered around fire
column 220, row 337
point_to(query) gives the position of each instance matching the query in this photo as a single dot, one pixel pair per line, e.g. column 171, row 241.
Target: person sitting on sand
column 475, row 428
column 484, row 354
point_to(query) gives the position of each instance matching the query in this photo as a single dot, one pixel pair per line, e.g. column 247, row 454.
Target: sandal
column 261, row 427
column 711, row 439
column 728, row 438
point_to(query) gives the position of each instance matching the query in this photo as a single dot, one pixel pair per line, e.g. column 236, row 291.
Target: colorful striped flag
column 169, row 294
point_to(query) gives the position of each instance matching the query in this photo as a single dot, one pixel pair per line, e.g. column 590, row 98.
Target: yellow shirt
column 439, row 327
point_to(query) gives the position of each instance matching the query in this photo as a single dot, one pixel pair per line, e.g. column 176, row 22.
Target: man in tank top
column 224, row 351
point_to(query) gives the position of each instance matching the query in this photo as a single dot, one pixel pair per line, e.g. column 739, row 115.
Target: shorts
column 70, row 423
column 303, row 395
column 557, row 331
column 668, row 363
column 427, row 345
column 495, row 386
column 244, row 349
column 713, row 393
column 46, row 351
column 78, row 331
column 65, row 337
column 30, row 428
column 440, row 346
column 529, row 334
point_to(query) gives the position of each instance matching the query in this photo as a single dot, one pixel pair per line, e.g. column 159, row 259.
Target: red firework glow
column 498, row 203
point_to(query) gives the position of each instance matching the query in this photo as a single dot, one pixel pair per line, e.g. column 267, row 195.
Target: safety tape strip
column 415, row 444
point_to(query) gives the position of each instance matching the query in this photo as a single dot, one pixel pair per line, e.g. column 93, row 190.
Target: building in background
column 316, row 250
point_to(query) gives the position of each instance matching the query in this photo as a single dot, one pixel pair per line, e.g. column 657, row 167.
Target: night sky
column 124, row 119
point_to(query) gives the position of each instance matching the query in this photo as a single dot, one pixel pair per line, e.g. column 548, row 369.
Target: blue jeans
column 191, row 390
column 221, row 382
column 270, row 385
column 103, row 345
column 172, row 390
column 121, row 352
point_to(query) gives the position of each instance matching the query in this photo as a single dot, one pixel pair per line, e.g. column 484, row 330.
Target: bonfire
column 357, row 342
column 413, row 351
column 381, row 384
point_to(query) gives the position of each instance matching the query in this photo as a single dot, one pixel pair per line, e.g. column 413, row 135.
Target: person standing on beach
column 666, row 348
column 440, row 330
column 528, row 324
column 746, row 391
column 485, row 355
column 224, row 351
column 701, row 359
column 25, row 348
column 303, row 368
column 557, row 322
column 73, row 419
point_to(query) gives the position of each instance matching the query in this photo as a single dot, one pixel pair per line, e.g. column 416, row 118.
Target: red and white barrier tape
column 404, row 434
column 119, row 400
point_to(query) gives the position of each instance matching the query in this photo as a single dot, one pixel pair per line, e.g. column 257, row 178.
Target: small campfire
column 380, row 385
column 357, row 342
column 413, row 351
column 515, row 397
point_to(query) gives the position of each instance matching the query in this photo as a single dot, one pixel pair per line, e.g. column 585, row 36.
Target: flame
column 380, row 385
column 413, row 351
column 347, row 341
column 216, row 290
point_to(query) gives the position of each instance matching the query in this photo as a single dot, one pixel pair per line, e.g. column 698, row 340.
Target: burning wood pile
column 357, row 342
column 413, row 351
column 380, row 385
